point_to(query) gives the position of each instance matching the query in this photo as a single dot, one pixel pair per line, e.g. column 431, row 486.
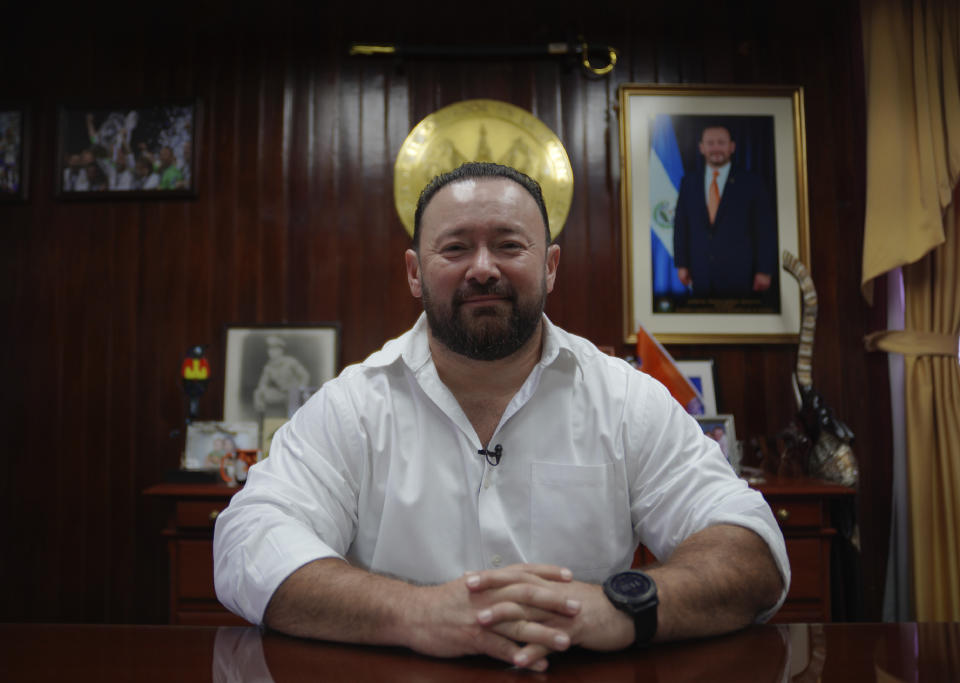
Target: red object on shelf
column 658, row 363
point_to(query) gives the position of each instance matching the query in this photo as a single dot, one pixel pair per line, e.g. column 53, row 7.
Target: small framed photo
column 713, row 190
column 702, row 376
column 208, row 443
column 720, row 428
column 272, row 369
column 128, row 150
column 14, row 152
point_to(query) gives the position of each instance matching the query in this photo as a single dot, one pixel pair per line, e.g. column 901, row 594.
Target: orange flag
column 658, row 363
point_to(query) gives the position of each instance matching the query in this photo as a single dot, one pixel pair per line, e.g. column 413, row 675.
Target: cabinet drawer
column 194, row 570
column 198, row 513
column 795, row 514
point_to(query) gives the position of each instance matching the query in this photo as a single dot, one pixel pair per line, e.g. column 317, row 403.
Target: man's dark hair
column 716, row 125
column 478, row 169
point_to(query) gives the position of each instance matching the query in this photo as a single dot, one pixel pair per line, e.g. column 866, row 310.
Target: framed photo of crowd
column 14, row 152
column 128, row 150
column 713, row 191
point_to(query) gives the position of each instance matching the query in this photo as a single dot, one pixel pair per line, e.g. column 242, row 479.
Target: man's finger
column 505, row 612
column 529, row 656
column 532, row 657
column 552, row 599
column 533, row 633
column 517, row 573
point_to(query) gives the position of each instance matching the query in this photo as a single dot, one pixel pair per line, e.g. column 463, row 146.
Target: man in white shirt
column 466, row 488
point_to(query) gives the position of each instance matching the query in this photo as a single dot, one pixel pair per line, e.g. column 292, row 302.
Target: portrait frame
column 728, row 446
column 101, row 158
column 314, row 348
column 14, row 152
column 703, row 375
column 652, row 163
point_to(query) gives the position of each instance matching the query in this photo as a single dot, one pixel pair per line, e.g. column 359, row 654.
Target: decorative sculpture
column 821, row 441
column 195, row 374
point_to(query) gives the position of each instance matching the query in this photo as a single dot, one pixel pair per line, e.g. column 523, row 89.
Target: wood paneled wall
column 295, row 222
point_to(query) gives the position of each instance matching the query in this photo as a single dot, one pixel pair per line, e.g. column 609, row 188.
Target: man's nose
column 483, row 266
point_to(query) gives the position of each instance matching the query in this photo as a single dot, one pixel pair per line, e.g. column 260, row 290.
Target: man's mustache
column 499, row 289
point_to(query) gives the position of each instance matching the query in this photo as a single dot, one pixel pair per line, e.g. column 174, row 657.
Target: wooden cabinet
column 801, row 506
column 189, row 533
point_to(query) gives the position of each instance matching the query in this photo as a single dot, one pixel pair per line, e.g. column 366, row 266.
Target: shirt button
column 486, row 483
column 496, row 560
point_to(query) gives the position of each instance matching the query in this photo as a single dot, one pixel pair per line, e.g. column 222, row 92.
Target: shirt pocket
column 573, row 516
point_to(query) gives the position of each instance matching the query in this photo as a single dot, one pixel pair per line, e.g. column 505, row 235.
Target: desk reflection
column 798, row 653
column 795, row 653
column 761, row 654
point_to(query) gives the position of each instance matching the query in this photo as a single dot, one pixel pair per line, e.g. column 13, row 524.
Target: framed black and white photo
column 721, row 429
column 130, row 150
column 14, row 152
column 701, row 374
column 713, row 190
column 271, row 369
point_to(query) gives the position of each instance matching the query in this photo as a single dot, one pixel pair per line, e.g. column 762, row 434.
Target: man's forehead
column 493, row 202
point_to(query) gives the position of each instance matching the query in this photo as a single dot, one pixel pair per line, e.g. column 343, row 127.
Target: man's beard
column 485, row 332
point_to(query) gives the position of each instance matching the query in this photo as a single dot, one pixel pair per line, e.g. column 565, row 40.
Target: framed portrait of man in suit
column 713, row 190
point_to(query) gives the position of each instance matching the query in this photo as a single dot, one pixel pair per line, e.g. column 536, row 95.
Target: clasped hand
column 520, row 614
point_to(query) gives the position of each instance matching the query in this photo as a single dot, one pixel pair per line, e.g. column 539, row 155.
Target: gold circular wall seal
column 483, row 130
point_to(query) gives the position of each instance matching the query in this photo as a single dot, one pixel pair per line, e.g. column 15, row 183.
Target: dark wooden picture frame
column 14, row 151
column 129, row 150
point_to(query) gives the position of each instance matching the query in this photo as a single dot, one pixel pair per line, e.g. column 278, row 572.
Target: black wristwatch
column 635, row 593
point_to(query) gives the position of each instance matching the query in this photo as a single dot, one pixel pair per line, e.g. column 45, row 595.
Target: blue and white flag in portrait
column 666, row 170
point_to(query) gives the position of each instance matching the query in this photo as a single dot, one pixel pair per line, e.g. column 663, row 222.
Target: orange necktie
column 714, row 200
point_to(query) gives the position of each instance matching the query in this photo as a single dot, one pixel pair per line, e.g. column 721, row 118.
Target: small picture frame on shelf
column 721, row 429
column 702, row 375
column 209, row 442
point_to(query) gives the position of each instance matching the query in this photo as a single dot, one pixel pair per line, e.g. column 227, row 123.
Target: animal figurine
column 830, row 456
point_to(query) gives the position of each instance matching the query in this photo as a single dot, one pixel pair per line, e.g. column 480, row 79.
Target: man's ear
column 412, row 262
column 553, row 262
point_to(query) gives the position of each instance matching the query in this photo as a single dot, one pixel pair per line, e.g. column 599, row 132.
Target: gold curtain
column 912, row 57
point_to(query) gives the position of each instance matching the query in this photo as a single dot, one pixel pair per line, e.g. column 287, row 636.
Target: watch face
column 632, row 585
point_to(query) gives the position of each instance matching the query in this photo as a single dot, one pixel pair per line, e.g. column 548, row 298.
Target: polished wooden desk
column 786, row 652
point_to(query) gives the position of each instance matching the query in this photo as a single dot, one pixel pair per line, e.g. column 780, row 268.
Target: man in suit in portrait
column 725, row 231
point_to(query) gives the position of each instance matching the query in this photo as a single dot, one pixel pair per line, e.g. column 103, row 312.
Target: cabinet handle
column 213, row 515
column 783, row 514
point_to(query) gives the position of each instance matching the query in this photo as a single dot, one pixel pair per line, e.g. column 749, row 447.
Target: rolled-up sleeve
column 682, row 484
column 298, row 505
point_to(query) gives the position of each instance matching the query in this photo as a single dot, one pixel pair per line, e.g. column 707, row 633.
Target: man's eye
column 452, row 248
column 510, row 245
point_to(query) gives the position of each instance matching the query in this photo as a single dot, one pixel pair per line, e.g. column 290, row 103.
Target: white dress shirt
column 380, row 468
